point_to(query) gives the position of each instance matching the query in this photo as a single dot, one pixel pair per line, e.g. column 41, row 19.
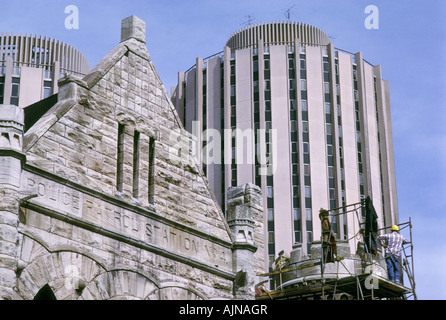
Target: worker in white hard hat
column 393, row 243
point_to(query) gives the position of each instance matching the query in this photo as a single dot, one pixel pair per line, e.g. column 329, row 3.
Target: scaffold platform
column 380, row 288
column 350, row 278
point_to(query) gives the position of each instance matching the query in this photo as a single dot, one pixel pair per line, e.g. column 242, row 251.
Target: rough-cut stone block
column 133, row 27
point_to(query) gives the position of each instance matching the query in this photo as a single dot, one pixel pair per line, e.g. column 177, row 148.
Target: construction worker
column 393, row 243
column 328, row 237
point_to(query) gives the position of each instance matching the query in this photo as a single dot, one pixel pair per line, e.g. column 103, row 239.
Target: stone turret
column 11, row 128
column 244, row 210
column 11, row 158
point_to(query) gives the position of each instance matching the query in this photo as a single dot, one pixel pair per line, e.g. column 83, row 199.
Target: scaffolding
column 365, row 284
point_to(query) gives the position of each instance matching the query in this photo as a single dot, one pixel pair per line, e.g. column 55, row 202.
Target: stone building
column 100, row 198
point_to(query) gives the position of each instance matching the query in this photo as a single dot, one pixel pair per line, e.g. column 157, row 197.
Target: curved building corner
column 31, row 65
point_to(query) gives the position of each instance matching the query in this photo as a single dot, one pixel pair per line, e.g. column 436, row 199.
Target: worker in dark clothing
column 393, row 243
column 328, row 237
column 371, row 226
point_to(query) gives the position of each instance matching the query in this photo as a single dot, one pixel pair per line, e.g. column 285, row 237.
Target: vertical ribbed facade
column 31, row 65
column 324, row 119
column 277, row 33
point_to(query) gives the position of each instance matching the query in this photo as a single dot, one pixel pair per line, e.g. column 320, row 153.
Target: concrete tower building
column 30, row 67
column 327, row 133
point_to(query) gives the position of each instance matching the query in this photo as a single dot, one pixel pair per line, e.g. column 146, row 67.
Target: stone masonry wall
column 62, row 255
column 82, row 144
column 116, row 206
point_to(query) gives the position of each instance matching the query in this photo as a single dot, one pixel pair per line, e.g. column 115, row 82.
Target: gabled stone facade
column 101, row 198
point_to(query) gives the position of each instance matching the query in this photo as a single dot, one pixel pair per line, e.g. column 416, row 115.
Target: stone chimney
column 133, row 27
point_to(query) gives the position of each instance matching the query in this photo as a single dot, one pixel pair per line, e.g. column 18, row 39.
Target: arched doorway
column 45, row 294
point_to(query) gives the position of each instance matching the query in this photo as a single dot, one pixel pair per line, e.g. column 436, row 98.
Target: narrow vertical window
column 2, row 87
column 47, row 89
column 136, row 164
column 120, row 158
column 151, row 169
column 15, row 89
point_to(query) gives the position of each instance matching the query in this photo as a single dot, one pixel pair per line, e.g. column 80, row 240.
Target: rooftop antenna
column 249, row 21
column 288, row 12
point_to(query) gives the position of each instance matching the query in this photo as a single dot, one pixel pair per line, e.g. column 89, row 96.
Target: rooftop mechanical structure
column 359, row 275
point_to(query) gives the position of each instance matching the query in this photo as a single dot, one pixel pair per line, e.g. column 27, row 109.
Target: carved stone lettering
column 153, row 232
column 182, row 242
column 129, row 223
column 53, row 195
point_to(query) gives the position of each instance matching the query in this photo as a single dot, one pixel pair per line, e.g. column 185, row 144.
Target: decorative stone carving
column 244, row 204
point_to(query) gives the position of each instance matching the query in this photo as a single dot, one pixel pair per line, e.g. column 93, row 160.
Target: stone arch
column 179, row 291
column 32, row 247
column 73, row 275
column 120, row 284
column 62, row 271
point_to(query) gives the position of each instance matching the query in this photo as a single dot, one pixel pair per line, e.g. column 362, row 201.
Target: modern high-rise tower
column 321, row 118
column 31, row 65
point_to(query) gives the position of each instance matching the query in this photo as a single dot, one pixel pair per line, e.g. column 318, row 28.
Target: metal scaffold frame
column 353, row 284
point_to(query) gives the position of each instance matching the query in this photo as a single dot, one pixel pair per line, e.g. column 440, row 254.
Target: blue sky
column 410, row 45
